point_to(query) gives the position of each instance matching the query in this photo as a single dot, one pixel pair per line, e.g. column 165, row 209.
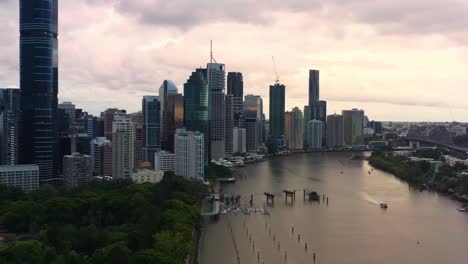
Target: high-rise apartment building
column 277, row 109
column 77, row 170
column 10, row 110
column 173, row 119
column 164, row 160
column 315, row 130
column 294, row 122
column 217, row 84
column 189, row 154
column 122, row 147
column 39, row 85
column 151, row 106
column 101, row 156
column 197, row 106
column 307, row 118
column 335, row 131
column 239, row 140
column 353, row 127
column 235, row 87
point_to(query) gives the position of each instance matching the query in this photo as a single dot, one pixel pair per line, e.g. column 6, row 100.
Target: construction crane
column 276, row 71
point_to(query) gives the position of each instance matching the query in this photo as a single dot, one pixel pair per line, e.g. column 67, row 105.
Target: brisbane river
column 417, row 228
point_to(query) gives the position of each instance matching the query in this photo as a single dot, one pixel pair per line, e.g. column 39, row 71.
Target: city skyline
column 401, row 80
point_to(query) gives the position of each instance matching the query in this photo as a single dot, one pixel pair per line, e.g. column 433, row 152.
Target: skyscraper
column 252, row 130
column 167, row 87
column 229, row 121
column 77, row 169
column 239, row 141
column 318, row 111
column 334, row 131
column 253, row 109
column 315, row 134
column 277, row 108
column 314, row 86
column 217, row 83
column 69, row 109
column 108, row 117
column 307, row 118
column 9, row 126
column 295, row 129
column 137, row 120
column 101, row 156
column 189, row 156
column 151, row 106
column 197, row 106
column 235, row 87
column 39, row 84
column 353, row 127
column 122, row 147
column 173, row 119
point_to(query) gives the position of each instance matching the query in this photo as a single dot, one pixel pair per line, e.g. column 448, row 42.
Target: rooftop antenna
column 211, row 52
column 276, row 72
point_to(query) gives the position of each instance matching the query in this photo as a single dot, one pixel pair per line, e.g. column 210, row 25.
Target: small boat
column 383, row 205
column 462, row 209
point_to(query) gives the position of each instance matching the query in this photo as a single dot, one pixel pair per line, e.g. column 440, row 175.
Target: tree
column 26, row 252
column 117, row 253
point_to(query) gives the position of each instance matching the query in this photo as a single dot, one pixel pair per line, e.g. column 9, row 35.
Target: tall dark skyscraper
column 277, row 108
column 314, row 86
column 151, row 106
column 39, row 84
column 235, row 87
column 173, row 119
column 217, row 86
column 197, row 113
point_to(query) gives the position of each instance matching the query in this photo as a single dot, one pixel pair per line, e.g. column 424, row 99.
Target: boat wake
column 370, row 199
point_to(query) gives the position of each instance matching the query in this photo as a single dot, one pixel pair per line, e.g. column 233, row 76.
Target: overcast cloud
column 398, row 60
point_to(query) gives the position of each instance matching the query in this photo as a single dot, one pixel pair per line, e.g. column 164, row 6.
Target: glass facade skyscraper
column 277, row 109
column 235, row 87
column 39, row 84
column 151, row 127
column 173, row 119
column 314, row 86
column 197, row 113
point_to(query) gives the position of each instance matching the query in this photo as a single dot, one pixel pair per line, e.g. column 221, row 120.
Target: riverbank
column 421, row 174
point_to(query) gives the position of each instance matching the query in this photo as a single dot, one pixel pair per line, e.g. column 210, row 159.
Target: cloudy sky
column 398, row 60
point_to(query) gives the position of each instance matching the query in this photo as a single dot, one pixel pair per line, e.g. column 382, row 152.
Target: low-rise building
column 25, row 177
column 164, row 161
column 147, row 176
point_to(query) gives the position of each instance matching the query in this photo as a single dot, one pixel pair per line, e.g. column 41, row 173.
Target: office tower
column 307, row 118
column 239, row 141
column 10, row 110
column 167, row 87
column 122, row 147
column 39, row 85
column 315, row 129
column 253, row 106
column 137, row 120
column 77, row 170
column 189, row 154
column 91, row 126
column 173, row 119
column 235, row 87
column 229, row 121
column 108, row 117
column 318, row 111
column 25, row 177
column 164, row 161
column 294, row 122
column 197, row 106
column 69, row 109
column 314, row 86
column 101, row 156
column 151, row 106
column 277, row 107
column 353, row 127
column 335, row 131
column 252, row 131
column 217, row 83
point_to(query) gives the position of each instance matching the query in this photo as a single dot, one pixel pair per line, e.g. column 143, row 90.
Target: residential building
column 197, row 106
column 108, row 117
column 77, row 169
column 315, row 129
column 10, row 110
column 307, row 118
column 353, row 127
column 217, row 84
column 25, row 177
column 147, row 176
column 189, row 154
column 252, row 134
column 335, row 131
column 39, row 103
column 294, row 123
column 277, row 109
column 164, row 160
column 151, row 106
column 122, row 147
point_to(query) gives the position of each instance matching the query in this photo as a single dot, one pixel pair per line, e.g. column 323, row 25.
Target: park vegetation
column 420, row 172
column 103, row 223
